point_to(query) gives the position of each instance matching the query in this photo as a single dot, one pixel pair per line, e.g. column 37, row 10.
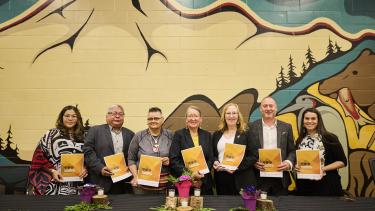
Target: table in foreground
column 220, row 203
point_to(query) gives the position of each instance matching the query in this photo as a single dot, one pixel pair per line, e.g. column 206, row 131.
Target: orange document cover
column 149, row 170
column 194, row 160
column 271, row 159
column 309, row 164
column 233, row 155
column 71, row 167
column 116, row 163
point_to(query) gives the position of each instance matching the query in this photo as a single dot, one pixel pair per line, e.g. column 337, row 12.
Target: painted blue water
column 297, row 13
column 5, row 161
column 11, row 8
column 319, row 72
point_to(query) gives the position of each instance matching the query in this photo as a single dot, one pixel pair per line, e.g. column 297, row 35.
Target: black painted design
column 58, row 10
column 150, row 50
column 260, row 30
column 70, row 41
column 9, row 149
column 137, row 6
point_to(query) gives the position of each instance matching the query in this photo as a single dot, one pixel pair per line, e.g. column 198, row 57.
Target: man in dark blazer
column 104, row 140
column 270, row 133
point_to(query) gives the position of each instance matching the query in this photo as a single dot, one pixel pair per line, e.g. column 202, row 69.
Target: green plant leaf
column 83, row 206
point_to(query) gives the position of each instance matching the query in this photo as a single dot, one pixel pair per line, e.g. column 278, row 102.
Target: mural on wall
column 171, row 54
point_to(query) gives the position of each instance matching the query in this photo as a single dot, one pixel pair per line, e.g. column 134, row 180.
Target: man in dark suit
column 104, row 140
column 269, row 133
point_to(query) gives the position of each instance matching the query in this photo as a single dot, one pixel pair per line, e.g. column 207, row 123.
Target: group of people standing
column 112, row 137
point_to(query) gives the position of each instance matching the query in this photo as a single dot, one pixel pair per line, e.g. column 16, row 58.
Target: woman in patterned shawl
column 67, row 137
column 313, row 135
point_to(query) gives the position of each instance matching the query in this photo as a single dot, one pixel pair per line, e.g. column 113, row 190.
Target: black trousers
column 225, row 183
column 120, row 187
column 273, row 186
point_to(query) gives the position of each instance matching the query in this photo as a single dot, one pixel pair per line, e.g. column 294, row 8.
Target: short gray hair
column 110, row 108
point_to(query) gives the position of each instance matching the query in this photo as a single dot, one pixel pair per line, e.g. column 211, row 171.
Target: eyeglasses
column 71, row 116
column 153, row 118
column 231, row 113
column 191, row 116
column 116, row 113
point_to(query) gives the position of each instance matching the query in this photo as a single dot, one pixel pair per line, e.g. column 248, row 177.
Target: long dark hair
column 78, row 130
column 320, row 129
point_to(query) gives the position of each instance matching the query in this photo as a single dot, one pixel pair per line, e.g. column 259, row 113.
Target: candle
column 100, row 192
column 263, row 195
column 197, row 192
column 171, row 192
column 184, row 203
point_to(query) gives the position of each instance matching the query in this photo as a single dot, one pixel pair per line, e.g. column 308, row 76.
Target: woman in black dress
column 313, row 135
column 232, row 130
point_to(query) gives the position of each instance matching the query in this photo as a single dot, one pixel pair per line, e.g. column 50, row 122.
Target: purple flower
column 249, row 190
column 183, row 178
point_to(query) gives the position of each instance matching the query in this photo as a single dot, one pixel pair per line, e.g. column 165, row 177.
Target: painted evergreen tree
column 281, row 81
column 291, row 71
column 8, row 139
column 310, row 58
column 86, row 127
column 303, row 68
column 17, row 150
column 338, row 48
column 87, row 124
column 1, row 144
column 330, row 48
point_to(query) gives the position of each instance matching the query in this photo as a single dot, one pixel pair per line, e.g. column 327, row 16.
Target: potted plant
column 249, row 195
column 182, row 183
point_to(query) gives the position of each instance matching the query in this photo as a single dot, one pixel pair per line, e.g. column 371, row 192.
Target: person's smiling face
column 310, row 122
column 231, row 115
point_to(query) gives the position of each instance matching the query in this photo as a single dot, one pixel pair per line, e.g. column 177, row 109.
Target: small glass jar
column 197, row 192
column 184, row 203
column 171, row 192
column 263, row 195
column 100, row 191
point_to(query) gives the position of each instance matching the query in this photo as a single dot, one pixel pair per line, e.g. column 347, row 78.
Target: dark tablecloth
column 136, row 202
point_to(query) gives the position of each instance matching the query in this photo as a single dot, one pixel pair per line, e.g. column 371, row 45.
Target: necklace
column 155, row 144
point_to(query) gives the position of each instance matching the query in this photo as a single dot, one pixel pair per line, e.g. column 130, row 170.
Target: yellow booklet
column 116, row 163
column 309, row 164
column 71, row 167
column 149, row 170
column 271, row 159
column 233, row 155
column 194, row 160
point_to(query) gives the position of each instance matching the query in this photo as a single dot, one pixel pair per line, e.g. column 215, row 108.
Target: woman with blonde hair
column 189, row 137
column 232, row 130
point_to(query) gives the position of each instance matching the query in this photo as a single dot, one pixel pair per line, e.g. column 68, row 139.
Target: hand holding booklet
column 194, row 160
column 116, row 163
column 271, row 158
column 309, row 164
column 71, row 167
column 233, row 155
